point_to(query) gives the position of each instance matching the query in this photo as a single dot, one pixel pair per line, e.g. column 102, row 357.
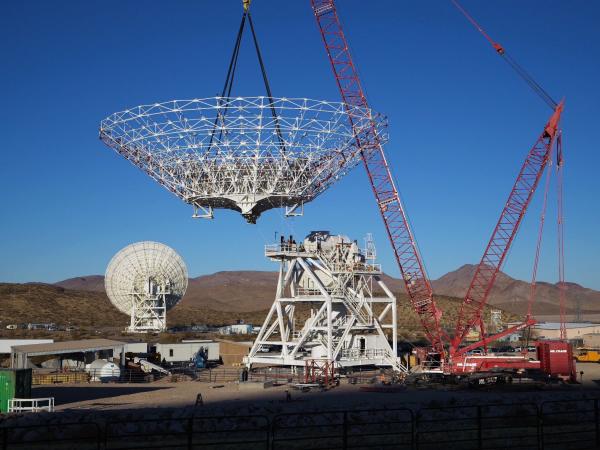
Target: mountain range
column 248, row 291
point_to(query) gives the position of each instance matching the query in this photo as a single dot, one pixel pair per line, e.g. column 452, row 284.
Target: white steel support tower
column 149, row 307
column 330, row 304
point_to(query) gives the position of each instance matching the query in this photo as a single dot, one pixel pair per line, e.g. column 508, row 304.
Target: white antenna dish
column 232, row 153
column 145, row 280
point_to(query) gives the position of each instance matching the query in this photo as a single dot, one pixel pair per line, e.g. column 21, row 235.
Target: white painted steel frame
column 231, row 153
column 21, row 405
column 352, row 287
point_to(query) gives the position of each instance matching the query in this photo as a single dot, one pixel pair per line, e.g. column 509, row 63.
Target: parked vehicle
column 476, row 351
column 588, row 355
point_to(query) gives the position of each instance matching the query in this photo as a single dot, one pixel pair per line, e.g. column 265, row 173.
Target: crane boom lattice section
column 405, row 249
column 506, row 230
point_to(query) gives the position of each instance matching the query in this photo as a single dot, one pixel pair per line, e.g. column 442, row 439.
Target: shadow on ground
column 71, row 394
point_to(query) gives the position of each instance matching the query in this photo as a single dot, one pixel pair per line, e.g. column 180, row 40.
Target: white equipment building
column 337, row 286
column 186, row 350
column 145, row 280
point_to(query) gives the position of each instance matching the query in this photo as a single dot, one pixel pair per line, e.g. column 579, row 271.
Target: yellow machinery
column 588, row 355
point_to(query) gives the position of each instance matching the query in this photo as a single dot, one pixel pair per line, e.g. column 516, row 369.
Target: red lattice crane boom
column 403, row 243
column 506, row 230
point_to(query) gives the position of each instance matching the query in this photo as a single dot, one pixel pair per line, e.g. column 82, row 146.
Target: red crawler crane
column 406, row 252
column 405, row 248
column 506, row 229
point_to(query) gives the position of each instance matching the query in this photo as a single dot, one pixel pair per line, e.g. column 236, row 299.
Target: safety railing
column 392, row 428
column 81, row 435
column 94, row 376
column 354, row 267
column 19, row 405
column 482, row 426
column 279, row 375
column 570, row 424
column 368, row 353
column 561, row 424
column 235, row 432
column 284, row 248
column 307, row 292
column 217, row 375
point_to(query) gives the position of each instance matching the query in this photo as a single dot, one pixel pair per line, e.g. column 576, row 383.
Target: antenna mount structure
column 330, row 305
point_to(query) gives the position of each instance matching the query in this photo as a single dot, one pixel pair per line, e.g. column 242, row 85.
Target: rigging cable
column 534, row 85
column 533, row 285
column 267, row 85
column 561, row 245
column 229, row 79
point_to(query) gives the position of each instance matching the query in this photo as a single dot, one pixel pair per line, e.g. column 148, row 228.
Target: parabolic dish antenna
column 248, row 154
column 145, row 280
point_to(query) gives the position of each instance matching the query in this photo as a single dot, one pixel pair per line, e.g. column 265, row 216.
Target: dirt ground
column 228, row 396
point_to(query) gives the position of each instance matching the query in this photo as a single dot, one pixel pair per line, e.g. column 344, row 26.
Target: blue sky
column 461, row 122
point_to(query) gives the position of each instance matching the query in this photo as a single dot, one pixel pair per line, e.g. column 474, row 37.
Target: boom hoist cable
column 514, row 210
column 538, row 247
column 561, row 239
column 534, row 85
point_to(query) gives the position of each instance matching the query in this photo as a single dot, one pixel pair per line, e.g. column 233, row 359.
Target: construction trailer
column 186, row 350
column 448, row 353
column 136, row 347
column 574, row 330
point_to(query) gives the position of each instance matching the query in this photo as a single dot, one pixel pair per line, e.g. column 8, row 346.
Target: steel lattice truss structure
column 349, row 316
column 394, row 216
column 506, row 229
column 145, row 280
column 234, row 153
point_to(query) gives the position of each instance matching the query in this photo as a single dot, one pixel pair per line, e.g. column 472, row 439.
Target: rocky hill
column 224, row 297
column 248, row 291
column 216, row 299
column 513, row 295
column 94, row 283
